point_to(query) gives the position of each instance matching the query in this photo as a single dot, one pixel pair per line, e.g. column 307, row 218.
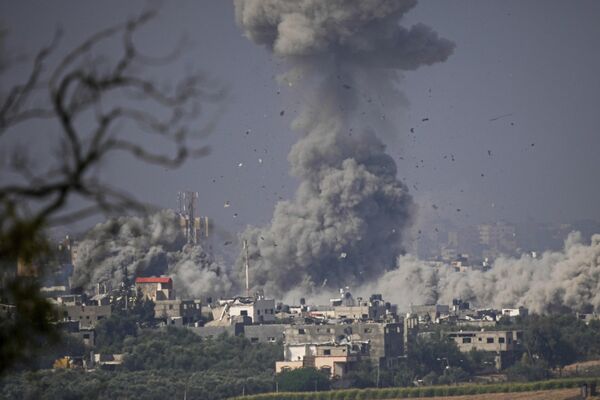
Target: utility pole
column 247, row 265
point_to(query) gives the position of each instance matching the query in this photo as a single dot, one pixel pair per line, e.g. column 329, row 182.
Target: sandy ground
column 559, row 394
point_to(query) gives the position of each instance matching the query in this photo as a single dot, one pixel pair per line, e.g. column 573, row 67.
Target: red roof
column 154, row 279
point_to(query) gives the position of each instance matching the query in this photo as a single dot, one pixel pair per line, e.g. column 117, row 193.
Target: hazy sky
column 513, row 130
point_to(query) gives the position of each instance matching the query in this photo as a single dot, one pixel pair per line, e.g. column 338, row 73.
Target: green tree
column 302, row 380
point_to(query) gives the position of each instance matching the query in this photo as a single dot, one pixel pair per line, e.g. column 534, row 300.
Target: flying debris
column 227, row 204
column 425, row 119
column 343, row 255
column 240, row 165
column 347, row 87
column 339, row 174
column 260, row 160
column 282, row 112
column 500, row 116
column 435, row 207
column 489, row 153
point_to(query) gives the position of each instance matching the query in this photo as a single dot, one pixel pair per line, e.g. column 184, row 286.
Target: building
column 258, row 309
column 430, row 312
column 503, row 343
column 332, row 358
column 88, row 316
column 178, row 312
column 375, row 309
column 515, row 312
column 155, row 288
column 385, row 340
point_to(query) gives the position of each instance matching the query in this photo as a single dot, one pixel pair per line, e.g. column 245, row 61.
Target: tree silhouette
column 98, row 105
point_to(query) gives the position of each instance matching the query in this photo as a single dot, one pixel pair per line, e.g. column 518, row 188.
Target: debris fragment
column 489, row 153
column 227, row 204
column 343, row 255
column 240, row 165
column 435, row 207
column 227, row 243
column 424, row 119
column 347, row 87
column 260, row 160
column 500, row 116
column 282, row 112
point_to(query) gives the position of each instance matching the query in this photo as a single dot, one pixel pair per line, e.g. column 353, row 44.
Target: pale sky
column 517, row 102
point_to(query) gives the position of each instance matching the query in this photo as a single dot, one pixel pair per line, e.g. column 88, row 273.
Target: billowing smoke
column 346, row 223
column 128, row 247
column 569, row 278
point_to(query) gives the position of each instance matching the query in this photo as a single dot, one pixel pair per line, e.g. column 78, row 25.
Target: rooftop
column 153, row 279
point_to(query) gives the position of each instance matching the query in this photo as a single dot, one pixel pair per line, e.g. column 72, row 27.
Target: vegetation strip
column 426, row 391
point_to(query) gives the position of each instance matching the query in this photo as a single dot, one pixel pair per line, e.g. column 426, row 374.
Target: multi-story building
column 503, row 343
column 178, row 311
column 258, row 309
column 88, row 316
column 155, row 288
column 385, row 340
column 333, row 358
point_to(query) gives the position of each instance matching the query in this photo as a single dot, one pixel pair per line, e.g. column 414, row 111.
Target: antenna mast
column 247, row 280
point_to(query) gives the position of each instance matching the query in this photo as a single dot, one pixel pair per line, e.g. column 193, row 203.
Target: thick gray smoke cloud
column 346, row 222
column 569, row 278
column 148, row 246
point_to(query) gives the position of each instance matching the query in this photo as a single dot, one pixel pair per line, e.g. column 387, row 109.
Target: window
column 466, row 340
column 86, row 335
column 509, row 340
column 87, row 317
column 301, row 331
column 479, row 339
column 501, row 340
column 368, row 330
column 170, row 306
column 257, row 312
column 327, row 352
column 490, row 340
column 244, row 312
column 254, row 340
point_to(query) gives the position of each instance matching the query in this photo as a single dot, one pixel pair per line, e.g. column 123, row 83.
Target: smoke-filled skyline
column 510, row 131
column 347, row 220
column 127, row 247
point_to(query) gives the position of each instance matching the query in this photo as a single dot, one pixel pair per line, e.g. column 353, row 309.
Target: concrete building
column 385, row 340
column 178, row 312
column 503, row 343
column 375, row 309
column 155, row 288
column 258, row 309
column 88, row 316
column 430, row 312
column 515, row 312
column 331, row 358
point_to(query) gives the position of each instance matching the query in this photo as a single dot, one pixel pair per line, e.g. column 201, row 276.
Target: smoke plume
column 127, row 247
column 346, row 222
column 569, row 278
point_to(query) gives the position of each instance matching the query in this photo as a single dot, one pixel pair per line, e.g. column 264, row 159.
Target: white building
column 258, row 309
